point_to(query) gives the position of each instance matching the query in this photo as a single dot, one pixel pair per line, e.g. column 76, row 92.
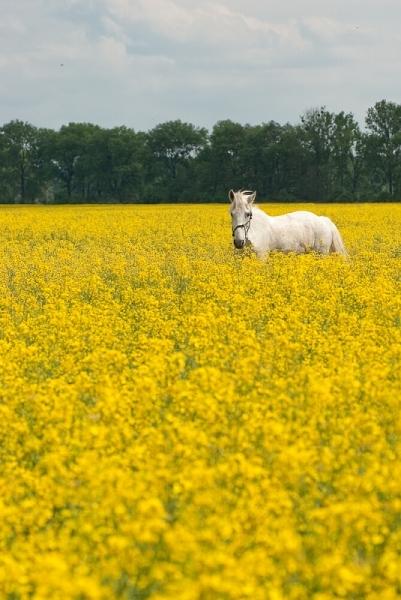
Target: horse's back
column 302, row 218
column 301, row 231
column 303, row 215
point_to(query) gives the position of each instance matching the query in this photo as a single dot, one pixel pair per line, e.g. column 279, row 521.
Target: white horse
column 299, row 231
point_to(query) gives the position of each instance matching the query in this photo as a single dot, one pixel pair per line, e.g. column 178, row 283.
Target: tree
column 172, row 147
column 345, row 156
column 293, row 163
column 117, row 164
column 70, row 150
column 318, row 129
column 325, row 157
column 19, row 149
column 227, row 142
column 383, row 122
column 260, row 158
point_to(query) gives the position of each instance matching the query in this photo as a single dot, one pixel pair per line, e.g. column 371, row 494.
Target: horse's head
column 241, row 215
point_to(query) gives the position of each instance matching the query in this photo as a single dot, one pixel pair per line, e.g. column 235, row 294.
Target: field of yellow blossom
column 181, row 422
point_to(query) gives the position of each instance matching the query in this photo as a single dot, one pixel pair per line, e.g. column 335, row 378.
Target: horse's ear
column 251, row 198
column 231, row 195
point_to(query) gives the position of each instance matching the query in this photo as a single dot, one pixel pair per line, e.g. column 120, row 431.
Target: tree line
column 324, row 157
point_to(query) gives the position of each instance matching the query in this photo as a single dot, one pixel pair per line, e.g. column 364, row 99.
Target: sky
column 142, row 62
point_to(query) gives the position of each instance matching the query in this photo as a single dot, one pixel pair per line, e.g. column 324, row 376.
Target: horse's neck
column 260, row 231
column 259, row 217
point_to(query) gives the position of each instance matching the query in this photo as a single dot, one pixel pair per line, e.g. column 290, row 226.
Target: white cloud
column 143, row 61
column 163, row 16
column 206, row 23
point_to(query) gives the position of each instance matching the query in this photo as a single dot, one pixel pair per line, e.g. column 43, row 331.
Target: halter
column 246, row 227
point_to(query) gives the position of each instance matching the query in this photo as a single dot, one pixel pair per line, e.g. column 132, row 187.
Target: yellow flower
column 181, row 422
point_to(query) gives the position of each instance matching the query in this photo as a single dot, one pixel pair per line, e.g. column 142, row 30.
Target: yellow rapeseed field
column 180, row 422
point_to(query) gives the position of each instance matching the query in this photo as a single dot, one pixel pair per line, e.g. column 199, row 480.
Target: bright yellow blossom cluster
column 179, row 421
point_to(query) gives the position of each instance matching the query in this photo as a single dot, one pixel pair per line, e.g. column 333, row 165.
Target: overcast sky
column 142, row 62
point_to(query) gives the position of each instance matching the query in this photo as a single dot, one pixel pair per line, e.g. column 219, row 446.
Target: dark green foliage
column 172, row 151
column 326, row 157
column 383, row 148
column 22, row 170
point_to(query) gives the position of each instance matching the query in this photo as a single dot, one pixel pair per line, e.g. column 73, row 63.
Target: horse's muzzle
column 239, row 243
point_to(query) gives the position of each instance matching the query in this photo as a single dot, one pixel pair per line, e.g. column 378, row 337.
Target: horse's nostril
column 239, row 243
